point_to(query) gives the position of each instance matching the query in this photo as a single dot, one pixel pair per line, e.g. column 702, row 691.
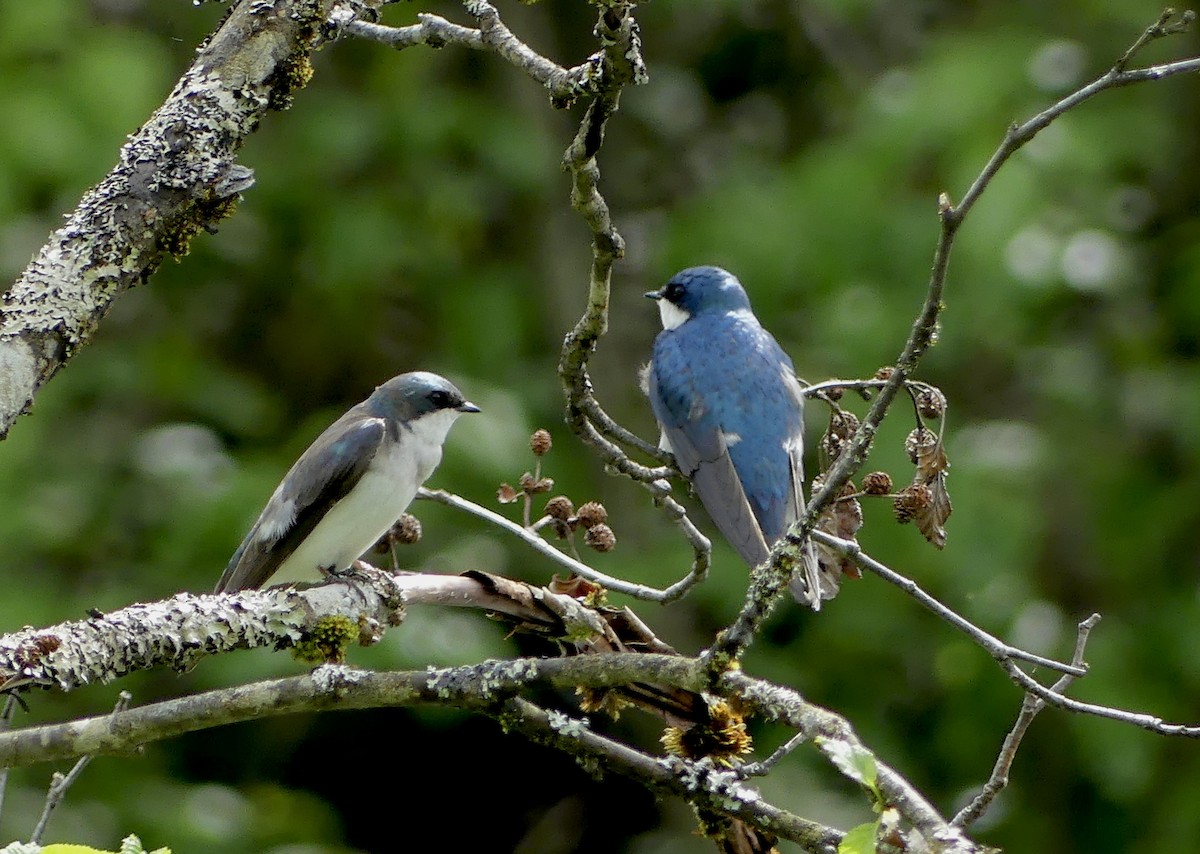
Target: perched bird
column 352, row 483
column 731, row 411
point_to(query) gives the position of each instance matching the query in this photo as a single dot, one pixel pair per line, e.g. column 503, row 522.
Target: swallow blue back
column 731, row 410
column 725, row 393
column 719, row 376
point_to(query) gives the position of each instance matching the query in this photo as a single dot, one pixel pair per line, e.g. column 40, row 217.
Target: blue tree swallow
column 732, row 412
column 352, row 483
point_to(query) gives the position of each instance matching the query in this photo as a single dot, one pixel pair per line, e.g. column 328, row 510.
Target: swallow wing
column 323, row 476
column 701, row 448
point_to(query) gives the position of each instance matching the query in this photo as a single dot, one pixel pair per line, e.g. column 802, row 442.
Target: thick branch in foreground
column 176, row 176
column 179, row 631
column 491, row 688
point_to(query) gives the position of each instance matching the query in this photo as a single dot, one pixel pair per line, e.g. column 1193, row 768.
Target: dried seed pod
column 877, row 483
column 911, row 501
column 885, row 373
column 407, row 530
column 601, row 538
column 592, row 514
column 835, row 394
column 540, row 442
column 918, row 443
column 931, row 403
column 842, row 425
column 560, row 508
column 506, row 494
column 526, row 482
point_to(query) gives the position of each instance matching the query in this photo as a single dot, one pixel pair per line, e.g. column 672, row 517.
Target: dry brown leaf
column 927, row 452
column 842, row 518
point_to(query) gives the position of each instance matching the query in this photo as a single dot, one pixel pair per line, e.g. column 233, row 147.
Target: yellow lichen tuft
column 328, row 641
column 723, row 738
column 601, row 700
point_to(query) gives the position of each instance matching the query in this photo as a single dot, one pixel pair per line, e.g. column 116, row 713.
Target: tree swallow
column 352, row 483
column 732, row 412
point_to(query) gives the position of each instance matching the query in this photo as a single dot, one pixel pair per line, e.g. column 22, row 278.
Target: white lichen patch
column 566, row 725
column 330, row 678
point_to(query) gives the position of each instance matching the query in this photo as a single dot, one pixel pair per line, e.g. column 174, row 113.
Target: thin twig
column 1164, row 26
column 763, row 767
column 1018, row 135
column 541, row 546
column 861, row 386
column 997, row 648
column 60, row 783
column 1030, row 707
column 609, row 428
column 565, row 85
column 1142, row 720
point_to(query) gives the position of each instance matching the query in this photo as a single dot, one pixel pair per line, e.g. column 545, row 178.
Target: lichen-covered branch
column 493, row 688
column 176, row 176
column 179, row 631
column 565, row 85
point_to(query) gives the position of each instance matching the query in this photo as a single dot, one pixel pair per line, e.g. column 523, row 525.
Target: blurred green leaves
column 409, row 212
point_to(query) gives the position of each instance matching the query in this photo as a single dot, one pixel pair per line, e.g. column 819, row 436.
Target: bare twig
column 1142, row 720
column 1018, row 135
column 565, row 85
column 1007, row 656
column 542, row 547
column 59, row 783
column 997, row 648
column 158, row 196
column 863, row 387
column 764, row 766
column 1030, row 707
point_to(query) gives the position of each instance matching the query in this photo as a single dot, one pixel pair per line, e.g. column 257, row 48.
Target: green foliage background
column 409, row 212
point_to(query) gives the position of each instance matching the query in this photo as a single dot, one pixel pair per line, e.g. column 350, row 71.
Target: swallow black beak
column 653, row 294
column 467, row 406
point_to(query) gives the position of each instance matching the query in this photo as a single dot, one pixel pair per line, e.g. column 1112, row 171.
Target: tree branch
column 542, row 547
column 489, row 688
column 997, row 648
column 1030, row 707
column 177, row 175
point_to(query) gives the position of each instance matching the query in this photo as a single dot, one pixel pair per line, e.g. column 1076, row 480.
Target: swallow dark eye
column 674, row 292
column 439, row 398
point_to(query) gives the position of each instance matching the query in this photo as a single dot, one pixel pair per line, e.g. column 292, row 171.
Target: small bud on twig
column 560, row 508
column 540, row 442
column 877, row 483
column 592, row 514
column 531, row 485
column 407, row 530
column 601, row 538
column 913, row 499
column 931, row 403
